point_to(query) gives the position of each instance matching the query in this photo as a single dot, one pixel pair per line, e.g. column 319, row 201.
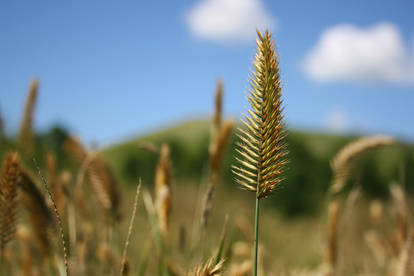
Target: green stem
column 256, row 236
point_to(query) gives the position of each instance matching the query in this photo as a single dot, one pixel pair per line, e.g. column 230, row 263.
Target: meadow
column 169, row 202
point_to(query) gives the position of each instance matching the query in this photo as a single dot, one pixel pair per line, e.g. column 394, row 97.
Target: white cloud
column 228, row 20
column 348, row 53
column 338, row 121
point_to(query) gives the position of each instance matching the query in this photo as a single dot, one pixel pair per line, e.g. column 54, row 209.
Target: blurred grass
column 307, row 177
column 303, row 192
column 308, row 174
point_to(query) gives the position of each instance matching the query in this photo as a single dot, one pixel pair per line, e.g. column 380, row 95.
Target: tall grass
column 263, row 144
column 85, row 198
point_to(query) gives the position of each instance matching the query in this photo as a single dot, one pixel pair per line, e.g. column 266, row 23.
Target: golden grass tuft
column 262, row 145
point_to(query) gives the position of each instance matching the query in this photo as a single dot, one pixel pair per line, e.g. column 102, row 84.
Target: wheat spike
column 8, row 198
column 342, row 161
column 263, row 146
column 163, row 189
column 26, row 125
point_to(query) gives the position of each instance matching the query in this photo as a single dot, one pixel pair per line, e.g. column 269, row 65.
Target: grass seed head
column 10, row 179
column 25, row 135
column 163, row 189
column 263, row 148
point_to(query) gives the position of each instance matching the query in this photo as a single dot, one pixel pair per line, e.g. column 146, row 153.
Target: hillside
column 308, row 175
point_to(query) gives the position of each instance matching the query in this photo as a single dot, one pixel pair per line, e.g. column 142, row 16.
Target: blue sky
column 114, row 69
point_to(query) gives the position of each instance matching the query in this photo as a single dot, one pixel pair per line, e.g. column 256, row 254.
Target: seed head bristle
column 163, row 189
column 8, row 197
column 262, row 147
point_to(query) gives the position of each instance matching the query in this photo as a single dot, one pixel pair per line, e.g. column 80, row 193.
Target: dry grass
column 8, row 198
column 341, row 163
column 163, row 190
column 356, row 237
column 26, row 134
column 220, row 135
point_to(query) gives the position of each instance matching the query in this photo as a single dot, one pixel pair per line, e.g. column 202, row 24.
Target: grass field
column 174, row 201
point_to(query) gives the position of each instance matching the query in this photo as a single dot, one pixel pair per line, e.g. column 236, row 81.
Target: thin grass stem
column 256, row 236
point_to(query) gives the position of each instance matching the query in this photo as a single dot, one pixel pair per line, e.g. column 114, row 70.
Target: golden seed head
column 262, row 147
column 163, row 189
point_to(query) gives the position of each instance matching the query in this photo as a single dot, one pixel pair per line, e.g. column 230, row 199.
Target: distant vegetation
column 308, row 175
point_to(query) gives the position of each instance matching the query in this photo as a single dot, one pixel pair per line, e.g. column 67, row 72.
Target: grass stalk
column 262, row 148
column 256, row 236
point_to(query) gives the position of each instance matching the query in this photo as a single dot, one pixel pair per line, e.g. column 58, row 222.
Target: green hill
column 307, row 178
